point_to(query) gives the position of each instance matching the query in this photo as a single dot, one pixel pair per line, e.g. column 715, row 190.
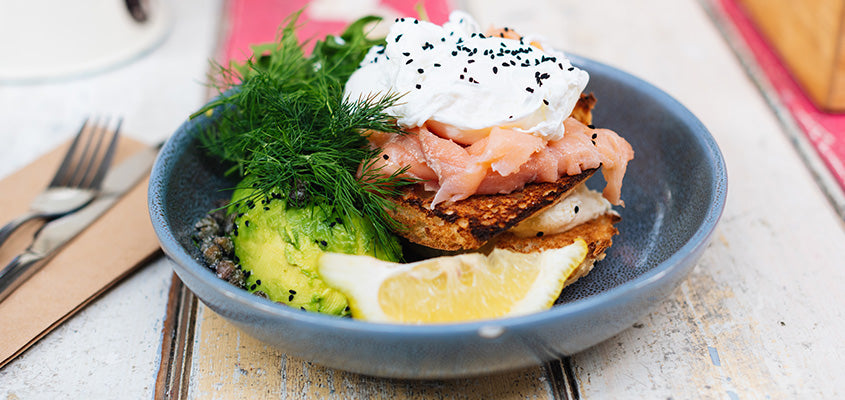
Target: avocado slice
column 279, row 246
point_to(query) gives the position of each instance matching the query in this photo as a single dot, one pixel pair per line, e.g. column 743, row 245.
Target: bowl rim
column 675, row 264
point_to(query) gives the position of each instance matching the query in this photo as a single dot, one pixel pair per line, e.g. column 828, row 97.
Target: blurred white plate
column 47, row 39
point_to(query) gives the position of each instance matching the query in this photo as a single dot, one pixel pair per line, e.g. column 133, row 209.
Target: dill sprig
column 282, row 120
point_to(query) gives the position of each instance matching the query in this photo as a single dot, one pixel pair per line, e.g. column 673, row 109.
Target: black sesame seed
column 595, row 135
column 246, row 223
column 443, row 39
column 591, row 126
column 324, row 243
column 397, row 38
column 465, row 69
column 420, row 70
column 560, row 65
column 510, row 117
column 291, row 291
column 436, row 65
column 529, row 90
column 385, row 156
column 406, row 54
column 539, row 234
column 266, row 208
column 454, row 53
column 290, row 298
column 331, row 225
column 416, row 22
column 571, row 69
column 576, row 209
column 258, row 282
column 501, row 35
column 546, row 102
column 495, row 70
column 252, row 287
column 470, row 61
column 419, row 86
column 410, row 60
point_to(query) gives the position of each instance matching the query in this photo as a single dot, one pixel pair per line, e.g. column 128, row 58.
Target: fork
column 78, row 178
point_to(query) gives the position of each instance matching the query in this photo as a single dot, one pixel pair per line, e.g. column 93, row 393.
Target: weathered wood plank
column 230, row 364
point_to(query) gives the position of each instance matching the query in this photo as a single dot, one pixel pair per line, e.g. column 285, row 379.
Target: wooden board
column 809, row 35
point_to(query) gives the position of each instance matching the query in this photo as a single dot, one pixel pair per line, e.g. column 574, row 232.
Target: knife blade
column 52, row 236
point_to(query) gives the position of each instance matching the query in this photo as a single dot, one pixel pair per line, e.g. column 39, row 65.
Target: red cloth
column 257, row 21
column 826, row 131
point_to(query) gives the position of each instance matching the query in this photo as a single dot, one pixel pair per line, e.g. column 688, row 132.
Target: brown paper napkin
column 115, row 245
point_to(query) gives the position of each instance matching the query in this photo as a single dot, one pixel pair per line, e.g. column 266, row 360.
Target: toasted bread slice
column 598, row 234
column 469, row 223
column 583, row 110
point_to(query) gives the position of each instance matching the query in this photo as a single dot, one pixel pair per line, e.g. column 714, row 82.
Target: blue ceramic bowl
column 675, row 190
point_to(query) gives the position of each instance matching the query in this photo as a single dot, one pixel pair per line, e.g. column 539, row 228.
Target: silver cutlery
column 78, row 178
column 55, row 234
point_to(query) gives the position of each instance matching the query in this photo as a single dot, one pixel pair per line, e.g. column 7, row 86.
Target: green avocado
column 280, row 246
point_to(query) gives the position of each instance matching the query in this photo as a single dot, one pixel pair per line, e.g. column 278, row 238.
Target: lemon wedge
column 458, row 288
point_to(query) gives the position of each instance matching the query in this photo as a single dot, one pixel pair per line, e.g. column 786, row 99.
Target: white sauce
column 563, row 216
column 454, row 75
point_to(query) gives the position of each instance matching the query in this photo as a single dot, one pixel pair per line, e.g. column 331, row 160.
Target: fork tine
column 107, row 158
column 86, row 156
column 64, row 167
column 88, row 159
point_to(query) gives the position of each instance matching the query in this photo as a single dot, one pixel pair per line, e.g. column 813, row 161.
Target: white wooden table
column 761, row 316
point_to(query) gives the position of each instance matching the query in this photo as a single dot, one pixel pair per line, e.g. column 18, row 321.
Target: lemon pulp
column 455, row 288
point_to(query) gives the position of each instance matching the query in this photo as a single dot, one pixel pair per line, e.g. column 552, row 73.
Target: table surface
column 760, row 316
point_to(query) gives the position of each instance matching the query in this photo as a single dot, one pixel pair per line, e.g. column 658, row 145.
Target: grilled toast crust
column 467, row 224
column 598, row 234
column 583, row 110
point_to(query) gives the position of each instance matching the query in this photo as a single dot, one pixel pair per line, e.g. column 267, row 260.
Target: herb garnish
column 287, row 126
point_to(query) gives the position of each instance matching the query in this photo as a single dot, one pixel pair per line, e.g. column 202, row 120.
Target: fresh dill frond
column 285, row 123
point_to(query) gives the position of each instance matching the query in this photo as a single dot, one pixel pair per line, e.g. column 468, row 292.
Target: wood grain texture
column 808, row 35
column 229, row 364
column 836, row 94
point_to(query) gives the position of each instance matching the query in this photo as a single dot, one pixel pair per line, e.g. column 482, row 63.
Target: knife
column 52, row 236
